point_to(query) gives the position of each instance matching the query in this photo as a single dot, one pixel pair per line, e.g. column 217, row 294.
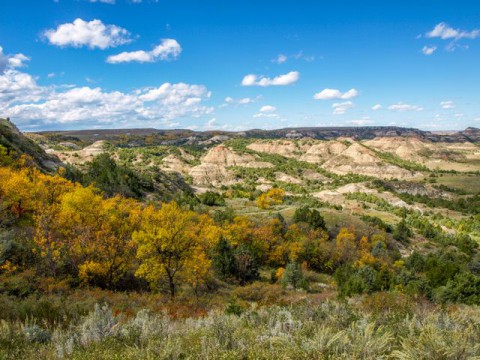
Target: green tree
column 224, row 261
column 310, row 216
column 293, row 276
column 402, row 232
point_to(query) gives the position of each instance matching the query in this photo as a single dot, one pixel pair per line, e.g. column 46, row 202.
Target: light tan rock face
column 357, row 159
column 222, row 155
column 340, row 157
column 313, row 175
column 285, row 148
column 280, row 176
column 320, row 152
column 213, row 168
column 175, row 164
column 461, row 156
column 83, row 155
column 211, row 175
column 408, row 148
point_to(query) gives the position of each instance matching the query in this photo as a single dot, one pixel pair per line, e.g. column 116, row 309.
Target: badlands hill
column 262, row 158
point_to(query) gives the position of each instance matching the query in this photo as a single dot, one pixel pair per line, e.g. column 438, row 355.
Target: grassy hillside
column 14, row 141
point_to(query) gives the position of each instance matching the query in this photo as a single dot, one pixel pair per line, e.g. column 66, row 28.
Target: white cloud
column 168, row 49
column 103, row 1
column 268, row 109
column 281, row 58
column 281, row 80
column 244, row 101
column 93, row 34
column 11, row 61
column 35, row 106
column 212, row 124
column 330, row 94
column 360, row 122
column 240, row 101
column 376, row 107
column 341, row 108
column 445, row 32
column 448, row 104
column 265, row 115
column 428, row 50
column 18, row 87
column 401, row 107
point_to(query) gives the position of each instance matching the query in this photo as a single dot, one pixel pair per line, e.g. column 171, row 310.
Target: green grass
column 469, row 183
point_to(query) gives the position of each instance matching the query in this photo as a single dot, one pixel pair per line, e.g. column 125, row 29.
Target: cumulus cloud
column 428, row 50
column 268, row 109
column 168, row 49
column 281, row 80
column 376, row 107
column 401, row 107
column 11, row 61
column 330, row 94
column 31, row 104
column 445, row 32
column 93, row 34
column 448, row 104
column 341, row 108
column 18, row 87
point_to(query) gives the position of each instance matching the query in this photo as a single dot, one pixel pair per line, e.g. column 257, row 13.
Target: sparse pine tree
column 224, row 261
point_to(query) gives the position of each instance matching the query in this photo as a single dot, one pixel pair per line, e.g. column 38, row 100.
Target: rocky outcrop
column 83, row 155
column 173, row 163
column 13, row 140
column 357, row 159
column 340, row 157
column 211, row 175
column 213, row 168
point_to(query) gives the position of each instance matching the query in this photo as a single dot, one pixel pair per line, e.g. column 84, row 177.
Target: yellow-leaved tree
column 272, row 197
column 113, row 249
column 170, row 241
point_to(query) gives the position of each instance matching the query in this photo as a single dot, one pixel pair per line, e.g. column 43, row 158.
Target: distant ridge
column 359, row 133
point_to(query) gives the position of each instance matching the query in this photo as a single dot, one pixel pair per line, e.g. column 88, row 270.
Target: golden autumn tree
column 88, row 235
column 272, row 197
column 17, row 191
column 366, row 257
column 269, row 236
column 65, row 230
column 240, row 231
column 113, row 250
column 169, row 240
column 346, row 245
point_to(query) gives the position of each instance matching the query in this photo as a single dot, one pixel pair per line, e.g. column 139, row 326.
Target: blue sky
column 74, row 64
